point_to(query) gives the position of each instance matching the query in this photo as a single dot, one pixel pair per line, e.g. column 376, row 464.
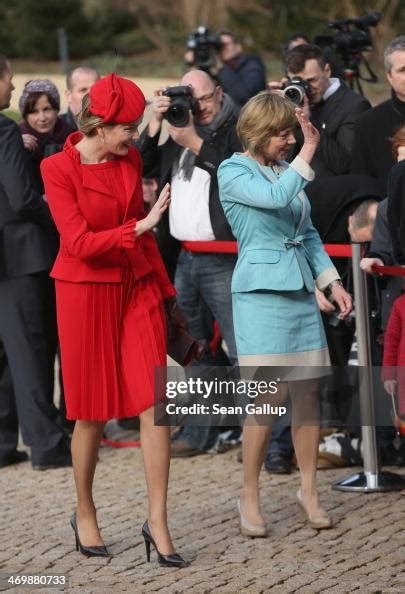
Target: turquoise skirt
column 286, row 324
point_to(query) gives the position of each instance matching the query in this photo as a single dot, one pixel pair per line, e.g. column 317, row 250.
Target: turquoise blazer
column 269, row 214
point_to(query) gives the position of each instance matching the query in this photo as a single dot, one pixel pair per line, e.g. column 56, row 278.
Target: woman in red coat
column 110, row 287
column 393, row 371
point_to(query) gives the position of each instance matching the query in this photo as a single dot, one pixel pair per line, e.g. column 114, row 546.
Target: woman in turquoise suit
column 280, row 263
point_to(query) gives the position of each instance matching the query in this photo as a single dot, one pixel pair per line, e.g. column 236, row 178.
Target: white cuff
column 303, row 168
column 326, row 277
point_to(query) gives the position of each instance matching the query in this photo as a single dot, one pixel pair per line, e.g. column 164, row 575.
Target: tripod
column 352, row 73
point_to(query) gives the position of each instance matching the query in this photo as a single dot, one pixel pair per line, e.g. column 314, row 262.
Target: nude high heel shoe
column 318, row 522
column 248, row 529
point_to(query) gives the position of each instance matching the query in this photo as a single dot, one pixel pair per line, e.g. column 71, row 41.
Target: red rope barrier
column 338, row 250
column 389, row 270
column 231, row 247
column 221, row 247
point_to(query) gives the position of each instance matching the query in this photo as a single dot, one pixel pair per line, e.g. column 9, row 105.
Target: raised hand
column 311, row 134
column 161, row 204
column 155, row 213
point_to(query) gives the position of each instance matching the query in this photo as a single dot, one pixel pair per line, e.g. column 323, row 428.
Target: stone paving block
column 363, row 552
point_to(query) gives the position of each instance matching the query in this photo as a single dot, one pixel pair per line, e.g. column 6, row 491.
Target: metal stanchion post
column 372, row 479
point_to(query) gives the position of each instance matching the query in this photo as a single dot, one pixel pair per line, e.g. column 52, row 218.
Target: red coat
column 87, row 218
column 394, row 339
column 394, row 350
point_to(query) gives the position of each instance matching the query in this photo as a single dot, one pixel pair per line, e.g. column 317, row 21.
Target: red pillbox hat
column 117, row 100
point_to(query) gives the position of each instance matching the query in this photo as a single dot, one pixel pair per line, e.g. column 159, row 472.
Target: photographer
column 189, row 160
column 333, row 109
column 240, row 75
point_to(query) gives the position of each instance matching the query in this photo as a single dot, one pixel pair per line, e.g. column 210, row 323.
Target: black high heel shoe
column 173, row 560
column 99, row 551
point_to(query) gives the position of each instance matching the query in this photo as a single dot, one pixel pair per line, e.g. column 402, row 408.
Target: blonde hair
column 264, row 115
column 86, row 121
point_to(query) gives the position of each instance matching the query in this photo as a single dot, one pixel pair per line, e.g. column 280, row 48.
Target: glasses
column 207, row 98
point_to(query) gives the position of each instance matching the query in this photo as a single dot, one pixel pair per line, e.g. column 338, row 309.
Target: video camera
column 353, row 37
column 295, row 89
column 181, row 102
column 205, row 47
column 358, row 39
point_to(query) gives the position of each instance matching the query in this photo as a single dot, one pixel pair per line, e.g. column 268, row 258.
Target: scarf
column 50, row 142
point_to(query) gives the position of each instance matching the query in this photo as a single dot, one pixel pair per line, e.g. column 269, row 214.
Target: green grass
column 155, row 65
column 14, row 115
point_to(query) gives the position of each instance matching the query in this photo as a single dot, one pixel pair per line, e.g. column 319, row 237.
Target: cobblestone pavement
column 364, row 552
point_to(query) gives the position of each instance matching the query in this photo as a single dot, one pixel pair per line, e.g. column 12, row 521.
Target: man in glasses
column 189, row 160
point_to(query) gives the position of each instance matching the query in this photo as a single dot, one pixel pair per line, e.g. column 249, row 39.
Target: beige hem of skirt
column 291, row 366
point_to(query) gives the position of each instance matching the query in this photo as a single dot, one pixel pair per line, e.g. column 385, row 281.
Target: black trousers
column 25, row 365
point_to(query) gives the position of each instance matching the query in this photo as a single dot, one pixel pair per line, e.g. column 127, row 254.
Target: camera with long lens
column 357, row 39
column 204, row 46
column 295, row 89
column 353, row 37
column 181, row 102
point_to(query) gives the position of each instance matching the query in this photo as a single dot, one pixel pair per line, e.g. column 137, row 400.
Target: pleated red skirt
column 112, row 337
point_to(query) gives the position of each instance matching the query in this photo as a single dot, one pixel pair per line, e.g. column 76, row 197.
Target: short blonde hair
column 264, row 115
column 86, row 121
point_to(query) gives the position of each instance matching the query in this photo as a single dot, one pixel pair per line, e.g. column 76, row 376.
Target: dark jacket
column 243, row 77
column 371, row 153
column 28, row 239
column 396, row 210
column 69, row 120
column 381, row 247
column 159, row 160
column 48, row 144
column 334, row 199
column 335, row 119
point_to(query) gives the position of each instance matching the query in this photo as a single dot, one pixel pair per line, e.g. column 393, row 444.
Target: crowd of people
column 97, row 228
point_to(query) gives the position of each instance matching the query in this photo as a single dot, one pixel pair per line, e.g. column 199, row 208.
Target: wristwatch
column 334, row 283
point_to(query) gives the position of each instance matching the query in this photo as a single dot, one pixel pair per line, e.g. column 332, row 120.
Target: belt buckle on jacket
column 289, row 243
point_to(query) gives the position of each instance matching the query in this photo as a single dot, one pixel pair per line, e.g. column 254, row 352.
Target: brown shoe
column 181, row 449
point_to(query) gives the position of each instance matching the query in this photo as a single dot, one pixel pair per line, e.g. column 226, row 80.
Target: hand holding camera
column 187, row 136
column 178, row 106
column 161, row 104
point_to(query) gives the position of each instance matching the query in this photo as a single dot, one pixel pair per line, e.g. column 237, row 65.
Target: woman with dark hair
column 43, row 131
column 111, row 286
